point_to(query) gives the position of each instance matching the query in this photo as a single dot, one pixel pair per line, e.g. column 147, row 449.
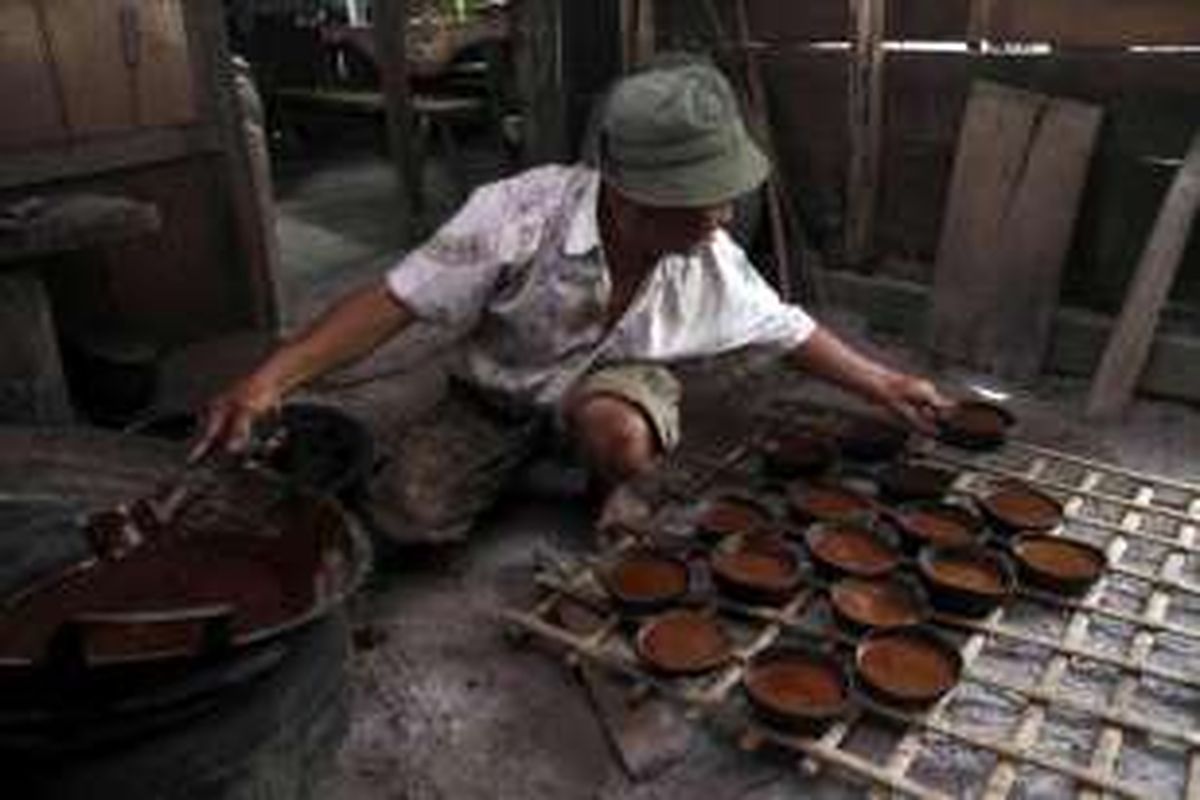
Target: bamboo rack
column 1121, row 517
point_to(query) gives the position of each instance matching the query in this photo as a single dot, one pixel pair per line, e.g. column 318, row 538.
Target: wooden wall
column 136, row 98
column 1151, row 100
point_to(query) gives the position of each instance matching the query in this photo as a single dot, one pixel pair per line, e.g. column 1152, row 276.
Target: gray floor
column 445, row 707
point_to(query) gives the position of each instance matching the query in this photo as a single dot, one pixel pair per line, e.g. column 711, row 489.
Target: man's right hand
column 228, row 422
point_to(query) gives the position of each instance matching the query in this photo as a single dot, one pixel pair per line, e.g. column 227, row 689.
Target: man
column 577, row 286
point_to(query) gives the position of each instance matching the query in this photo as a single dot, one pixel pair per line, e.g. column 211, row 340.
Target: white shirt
column 522, row 264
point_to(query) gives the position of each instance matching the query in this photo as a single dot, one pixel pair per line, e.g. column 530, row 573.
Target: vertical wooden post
column 390, row 18
column 865, row 101
column 978, row 24
column 1132, row 337
column 637, row 33
column 540, row 81
column 761, row 124
column 246, row 171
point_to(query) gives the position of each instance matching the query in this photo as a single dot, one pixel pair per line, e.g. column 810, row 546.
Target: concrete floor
column 445, row 707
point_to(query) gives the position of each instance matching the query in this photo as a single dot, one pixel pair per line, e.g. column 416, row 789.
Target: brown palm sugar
column 1018, row 507
column 1064, row 559
column 964, row 571
column 727, row 516
column 853, row 549
column 759, row 568
column 937, row 527
column 978, row 420
column 878, row 603
column 796, row 685
column 648, row 577
column 683, row 641
column 828, row 502
column 910, row 667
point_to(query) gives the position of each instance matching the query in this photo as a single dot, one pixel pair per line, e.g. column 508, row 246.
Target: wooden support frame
column 865, row 103
column 1118, row 718
column 391, row 27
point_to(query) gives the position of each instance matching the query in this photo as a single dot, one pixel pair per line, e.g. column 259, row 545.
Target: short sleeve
column 751, row 311
column 450, row 278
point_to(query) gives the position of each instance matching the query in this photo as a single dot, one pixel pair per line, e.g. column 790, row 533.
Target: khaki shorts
column 451, row 465
column 649, row 387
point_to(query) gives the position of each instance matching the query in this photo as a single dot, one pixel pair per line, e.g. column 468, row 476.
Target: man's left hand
column 915, row 400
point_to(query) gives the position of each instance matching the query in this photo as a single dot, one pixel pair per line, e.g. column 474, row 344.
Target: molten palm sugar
column 1021, row 508
column 728, row 516
column 907, row 666
column 827, row 502
column 1065, row 559
column 876, row 603
column 261, row 585
column 853, row 549
column 978, row 420
column 757, row 568
column 796, row 685
column 647, row 577
column 683, row 641
column 937, row 527
column 964, row 571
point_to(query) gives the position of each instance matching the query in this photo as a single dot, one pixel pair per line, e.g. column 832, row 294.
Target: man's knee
column 614, row 434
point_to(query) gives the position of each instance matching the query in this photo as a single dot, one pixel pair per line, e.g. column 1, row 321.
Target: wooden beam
column 110, row 154
column 1125, row 357
column 538, row 60
column 865, row 101
column 245, row 168
column 391, row 29
column 1095, row 23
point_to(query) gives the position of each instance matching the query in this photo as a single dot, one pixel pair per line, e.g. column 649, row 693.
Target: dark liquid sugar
column 855, row 550
column 794, row 686
column 649, row 578
column 966, row 573
column 908, row 667
column 1060, row 558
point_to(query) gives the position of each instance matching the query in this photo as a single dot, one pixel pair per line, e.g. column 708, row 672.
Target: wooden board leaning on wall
column 1151, row 103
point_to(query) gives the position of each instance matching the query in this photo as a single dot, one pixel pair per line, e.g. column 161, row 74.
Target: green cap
column 673, row 137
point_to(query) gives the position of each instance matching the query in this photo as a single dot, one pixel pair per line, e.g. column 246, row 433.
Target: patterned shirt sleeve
column 450, row 278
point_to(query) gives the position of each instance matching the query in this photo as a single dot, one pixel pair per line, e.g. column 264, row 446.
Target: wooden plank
column 1125, row 356
column 865, row 101
column 1108, row 22
column 815, row 20
column 926, row 20
column 90, row 61
column 139, row 149
column 163, row 78
column 1040, row 220
column 537, row 60
column 988, row 167
column 1018, row 177
column 26, row 80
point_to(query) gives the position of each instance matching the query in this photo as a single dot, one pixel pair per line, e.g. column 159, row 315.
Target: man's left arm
column 911, row 398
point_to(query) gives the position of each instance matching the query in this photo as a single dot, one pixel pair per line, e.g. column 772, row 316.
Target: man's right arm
column 349, row 330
